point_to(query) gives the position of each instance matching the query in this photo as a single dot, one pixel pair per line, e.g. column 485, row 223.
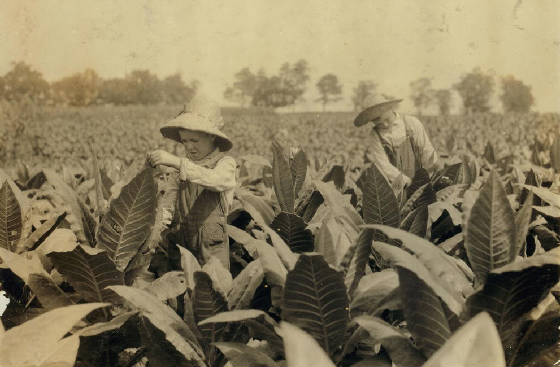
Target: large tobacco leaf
column 380, row 205
column 398, row 346
column 522, row 221
column 207, row 302
column 424, row 196
column 301, row 348
column 41, row 342
column 416, row 222
column 490, row 230
column 241, row 355
column 376, row 292
column 129, row 220
column 244, row 286
column 475, row 344
column 315, row 299
column 293, row 231
column 298, row 167
column 512, row 291
column 10, row 218
column 165, row 319
column 358, row 257
column 540, row 340
column 49, row 294
column 89, row 271
column 421, row 177
column 282, row 179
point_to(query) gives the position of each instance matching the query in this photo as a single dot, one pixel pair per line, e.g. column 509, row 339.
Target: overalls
column 406, row 156
column 203, row 218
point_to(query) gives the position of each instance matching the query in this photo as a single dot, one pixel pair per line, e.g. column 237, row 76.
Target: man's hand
column 161, row 157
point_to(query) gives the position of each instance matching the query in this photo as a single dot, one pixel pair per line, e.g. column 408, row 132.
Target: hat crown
column 375, row 99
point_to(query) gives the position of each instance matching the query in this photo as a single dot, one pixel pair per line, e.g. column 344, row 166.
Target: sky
column 391, row 42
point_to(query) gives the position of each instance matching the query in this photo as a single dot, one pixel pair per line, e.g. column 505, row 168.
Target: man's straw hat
column 378, row 105
column 202, row 115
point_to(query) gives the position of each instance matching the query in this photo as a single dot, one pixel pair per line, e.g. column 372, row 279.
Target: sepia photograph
column 212, row 183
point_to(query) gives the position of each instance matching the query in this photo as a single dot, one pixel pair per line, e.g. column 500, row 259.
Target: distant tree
column 475, row 89
column 243, row 87
column 143, row 87
column 176, row 91
column 115, row 91
column 329, row 89
column 24, row 82
column 443, row 100
column 269, row 92
column 421, row 94
column 361, row 93
column 234, row 95
column 293, row 81
column 516, row 96
column 80, row 89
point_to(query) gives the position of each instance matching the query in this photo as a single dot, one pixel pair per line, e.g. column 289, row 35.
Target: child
column 207, row 178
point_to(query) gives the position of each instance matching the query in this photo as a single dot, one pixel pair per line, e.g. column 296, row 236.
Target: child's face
column 197, row 144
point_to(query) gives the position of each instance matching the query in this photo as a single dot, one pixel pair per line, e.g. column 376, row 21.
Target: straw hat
column 199, row 115
column 378, row 105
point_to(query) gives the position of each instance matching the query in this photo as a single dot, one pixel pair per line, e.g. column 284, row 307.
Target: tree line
column 288, row 86
column 87, row 88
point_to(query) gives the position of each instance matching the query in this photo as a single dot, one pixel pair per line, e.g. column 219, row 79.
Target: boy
column 207, row 178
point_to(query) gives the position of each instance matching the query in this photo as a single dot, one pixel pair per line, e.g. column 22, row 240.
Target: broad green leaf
column 241, row 355
column 99, row 200
column 421, row 177
column 490, row 230
column 190, row 265
column 302, row 350
column 549, row 211
column 37, row 237
column 274, row 270
column 10, row 218
column 401, row 258
column 47, row 292
column 325, row 242
column 207, row 302
column 23, row 201
column 36, row 342
column 169, row 286
column 475, row 344
column 102, row 327
column 237, row 316
column 282, row 179
column 374, row 291
column 379, row 203
column 259, row 204
column 21, row 265
column 165, row 319
column 512, row 291
column 336, row 175
column 129, row 220
column 244, row 286
column 315, row 299
column 59, row 240
column 243, row 238
column 298, row 167
column 221, row 277
column 542, row 336
column 398, row 346
column 89, row 272
column 416, row 222
column 522, row 220
column 338, row 203
column 293, row 231
column 545, row 194
column 423, row 311
column 424, row 196
column 489, row 153
column 440, row 265
column 309, row 207
column 359, row 257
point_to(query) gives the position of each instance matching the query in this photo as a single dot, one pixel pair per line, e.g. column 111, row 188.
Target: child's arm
column 220, row 178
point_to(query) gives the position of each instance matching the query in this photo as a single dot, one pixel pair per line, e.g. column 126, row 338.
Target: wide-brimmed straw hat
column 201, row 115
column 378, row 105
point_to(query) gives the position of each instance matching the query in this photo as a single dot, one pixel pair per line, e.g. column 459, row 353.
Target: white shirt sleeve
column 221, row 178
column 382, row 161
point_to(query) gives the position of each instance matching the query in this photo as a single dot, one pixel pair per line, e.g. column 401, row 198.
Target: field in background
column 54, row 137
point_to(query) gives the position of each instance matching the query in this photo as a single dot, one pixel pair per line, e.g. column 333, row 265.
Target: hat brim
column 374, row 112
column 171, row 130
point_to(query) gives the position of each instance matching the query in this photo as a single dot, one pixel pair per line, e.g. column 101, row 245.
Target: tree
column 175, row 91
column 422, row 93
column 443, row 100
column 516, row 96
column 115, row 91
column 329, row 89
column 80, row 89
column 475, row 89
column 361, row 93
column 24, row 82
column 143, row 87
column 293, row 80
column 243, row 88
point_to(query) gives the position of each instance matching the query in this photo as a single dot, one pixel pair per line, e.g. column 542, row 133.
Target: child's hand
column 164, row 158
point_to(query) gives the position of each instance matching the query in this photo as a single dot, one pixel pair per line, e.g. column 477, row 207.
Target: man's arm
column 428, row 154
column 382, row 161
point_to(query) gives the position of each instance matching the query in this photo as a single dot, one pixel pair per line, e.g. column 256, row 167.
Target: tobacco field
column 330, row 265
